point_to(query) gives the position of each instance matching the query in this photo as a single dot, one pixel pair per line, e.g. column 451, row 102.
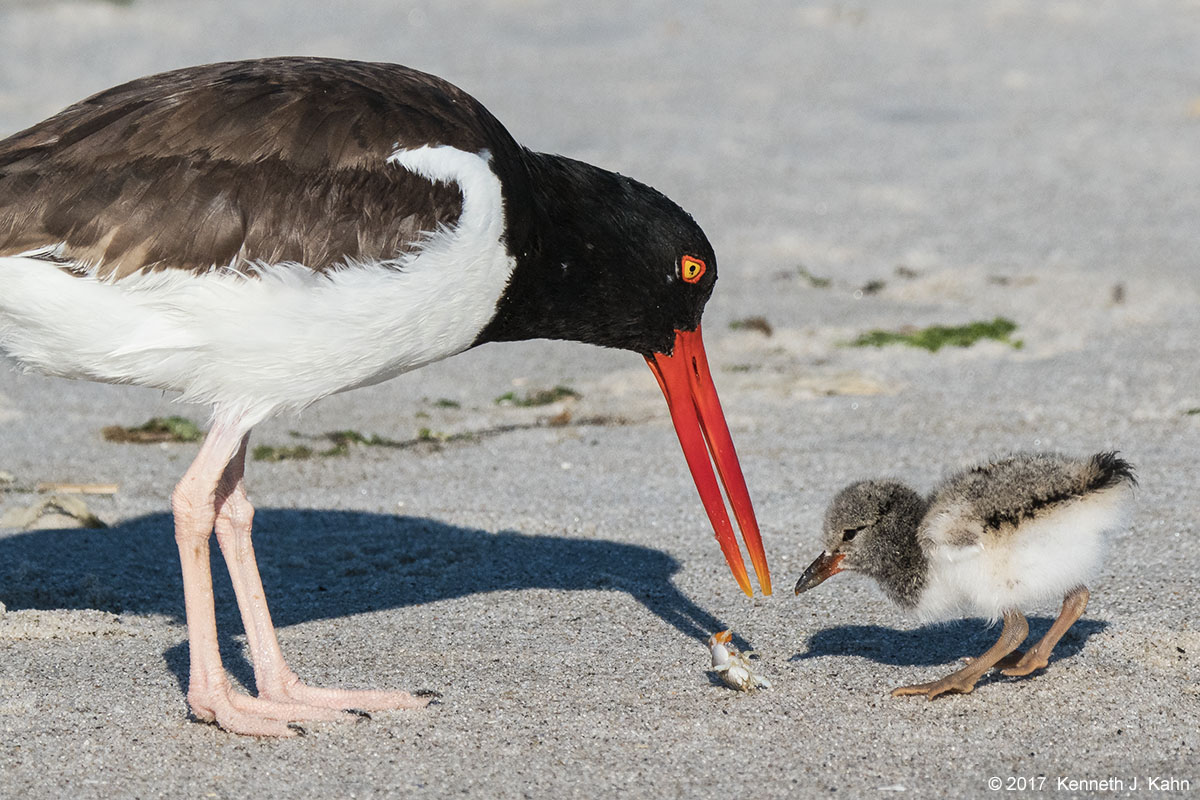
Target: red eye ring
column 691, row 269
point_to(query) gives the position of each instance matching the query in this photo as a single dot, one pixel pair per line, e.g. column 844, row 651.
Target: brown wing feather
column 232, row 164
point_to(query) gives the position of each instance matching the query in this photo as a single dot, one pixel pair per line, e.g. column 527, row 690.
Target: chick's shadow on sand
column 319, row 564
column 938, row 644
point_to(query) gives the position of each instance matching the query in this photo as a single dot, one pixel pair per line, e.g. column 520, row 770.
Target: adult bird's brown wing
column 234, row 164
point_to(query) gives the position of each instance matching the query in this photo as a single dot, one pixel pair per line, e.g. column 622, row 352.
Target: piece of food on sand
column 732, row 666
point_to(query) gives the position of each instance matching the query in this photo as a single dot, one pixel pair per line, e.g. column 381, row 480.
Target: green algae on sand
column 935, row 337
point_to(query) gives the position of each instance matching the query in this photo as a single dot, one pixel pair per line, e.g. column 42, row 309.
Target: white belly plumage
column 282, row 337
column 1043, row 559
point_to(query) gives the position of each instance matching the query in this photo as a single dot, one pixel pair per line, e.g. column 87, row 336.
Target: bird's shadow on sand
column 936, row 644
column 320, row 564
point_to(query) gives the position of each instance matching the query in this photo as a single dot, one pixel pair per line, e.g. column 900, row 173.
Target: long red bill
column 700, row 424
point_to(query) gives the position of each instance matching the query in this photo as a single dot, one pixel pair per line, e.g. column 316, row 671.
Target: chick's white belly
column 1043, row 559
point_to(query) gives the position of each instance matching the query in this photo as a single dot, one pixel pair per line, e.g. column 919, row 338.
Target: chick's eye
column 691, row 269
column 849, row 533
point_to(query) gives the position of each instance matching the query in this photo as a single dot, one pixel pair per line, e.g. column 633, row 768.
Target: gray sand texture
column 858, row 166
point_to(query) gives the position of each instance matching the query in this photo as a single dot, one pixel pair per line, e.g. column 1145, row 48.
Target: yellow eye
column 691, row 269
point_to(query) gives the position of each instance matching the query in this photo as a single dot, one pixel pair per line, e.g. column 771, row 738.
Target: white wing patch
column 284, row 337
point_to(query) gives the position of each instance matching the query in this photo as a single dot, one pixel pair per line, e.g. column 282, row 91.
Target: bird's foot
column 293, row 690
column 1024, row 664
column 1018, row 663
column 237, row 712
column 963, row 681
column 274, row 712
column 951, row 683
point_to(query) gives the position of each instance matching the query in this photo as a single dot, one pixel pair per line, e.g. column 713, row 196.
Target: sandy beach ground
column 858, row 166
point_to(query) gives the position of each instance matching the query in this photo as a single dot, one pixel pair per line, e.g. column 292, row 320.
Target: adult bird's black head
column 606, row 260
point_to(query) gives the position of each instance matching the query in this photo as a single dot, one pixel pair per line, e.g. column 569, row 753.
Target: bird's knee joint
column 236, row 516
column 192, row 520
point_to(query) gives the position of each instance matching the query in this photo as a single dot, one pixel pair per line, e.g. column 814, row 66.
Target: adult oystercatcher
column 989, row 541
column 257, row 235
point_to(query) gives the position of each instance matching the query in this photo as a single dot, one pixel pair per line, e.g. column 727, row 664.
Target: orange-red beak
column 700, row 424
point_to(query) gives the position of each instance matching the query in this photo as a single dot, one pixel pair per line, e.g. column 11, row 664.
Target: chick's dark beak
column 700, row 424
column 824, row 566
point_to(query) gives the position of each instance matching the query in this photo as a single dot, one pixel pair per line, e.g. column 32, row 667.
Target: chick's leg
column 963, row 681
column 1038, row 656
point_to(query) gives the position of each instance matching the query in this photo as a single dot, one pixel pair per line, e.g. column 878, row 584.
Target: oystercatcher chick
column 258, row 235
column 988, row 541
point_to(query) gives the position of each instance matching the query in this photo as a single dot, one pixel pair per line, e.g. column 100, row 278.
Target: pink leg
column 210, row 694
column 275, row 680
column 207, row 487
